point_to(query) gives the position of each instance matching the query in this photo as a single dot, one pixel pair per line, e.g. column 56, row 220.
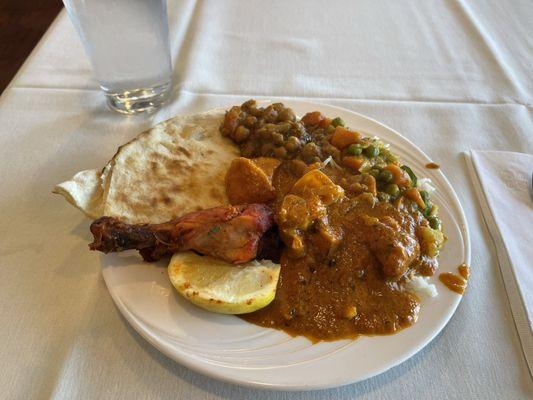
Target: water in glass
column 127, row 42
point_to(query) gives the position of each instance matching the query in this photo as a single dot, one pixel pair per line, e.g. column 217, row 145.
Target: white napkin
column 502, row 182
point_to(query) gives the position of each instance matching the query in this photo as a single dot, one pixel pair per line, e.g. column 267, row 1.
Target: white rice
column 420, row 286
column 331, row 161
column 425, row 184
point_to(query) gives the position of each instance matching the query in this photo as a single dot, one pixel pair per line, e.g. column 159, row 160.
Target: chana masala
column 354, row 222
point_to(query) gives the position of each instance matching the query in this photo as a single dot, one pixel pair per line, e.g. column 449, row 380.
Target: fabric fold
column 502, row 183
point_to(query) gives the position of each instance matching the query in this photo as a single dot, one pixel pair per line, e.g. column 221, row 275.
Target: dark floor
column 22, row 23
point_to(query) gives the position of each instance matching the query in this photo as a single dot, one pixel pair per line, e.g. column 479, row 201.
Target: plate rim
column 204, row 368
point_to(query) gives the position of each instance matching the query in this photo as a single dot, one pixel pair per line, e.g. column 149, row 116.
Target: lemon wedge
column 221, row 287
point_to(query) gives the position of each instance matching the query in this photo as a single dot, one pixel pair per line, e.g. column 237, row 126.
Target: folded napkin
column 502, row 181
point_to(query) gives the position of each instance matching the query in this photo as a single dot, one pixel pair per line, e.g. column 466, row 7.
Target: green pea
column 372, row 151
column 374, row 172
column 383, row 196
column 337, row 122
column 434, row 222
column 354, row 150
column 391, row 158
column 385, row 176
column 393, row 190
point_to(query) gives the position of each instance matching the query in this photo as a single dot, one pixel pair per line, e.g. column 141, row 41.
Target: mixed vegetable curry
column 354, row 223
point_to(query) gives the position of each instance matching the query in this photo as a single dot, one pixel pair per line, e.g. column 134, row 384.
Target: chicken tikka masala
column 354, row 223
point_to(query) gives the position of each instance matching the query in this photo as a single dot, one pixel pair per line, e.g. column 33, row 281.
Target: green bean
column 411, row 174
column 425, row 196
column 427, row 202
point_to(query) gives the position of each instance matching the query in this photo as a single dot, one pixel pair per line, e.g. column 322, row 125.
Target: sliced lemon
column 222, row 287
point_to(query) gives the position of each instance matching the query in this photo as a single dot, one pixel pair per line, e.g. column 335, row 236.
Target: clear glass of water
column 127, row 43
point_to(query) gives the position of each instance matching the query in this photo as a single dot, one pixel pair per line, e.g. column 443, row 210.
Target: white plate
column 228, row 348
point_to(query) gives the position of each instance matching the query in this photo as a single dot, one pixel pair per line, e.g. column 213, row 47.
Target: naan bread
column 85, row 192
column 174, row 168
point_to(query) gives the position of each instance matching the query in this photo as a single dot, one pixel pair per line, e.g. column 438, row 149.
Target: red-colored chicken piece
column 229, row 233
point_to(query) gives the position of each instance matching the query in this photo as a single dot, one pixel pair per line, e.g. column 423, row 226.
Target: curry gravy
column 432, row 165
column 343, row 299
column 464, row 271
column 456, row 283
column 328, row 296
column 352, row 220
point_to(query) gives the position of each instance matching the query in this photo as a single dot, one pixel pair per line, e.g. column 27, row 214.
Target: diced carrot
column 343, row 137
column 353, row 162
column 312, row 118
column 400, row 177
column 325, row 122
column 414, row 195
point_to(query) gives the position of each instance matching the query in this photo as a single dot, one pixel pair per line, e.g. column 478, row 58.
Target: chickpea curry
column 354, row 222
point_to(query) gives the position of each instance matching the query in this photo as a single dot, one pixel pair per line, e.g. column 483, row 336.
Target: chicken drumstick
column 230, row 233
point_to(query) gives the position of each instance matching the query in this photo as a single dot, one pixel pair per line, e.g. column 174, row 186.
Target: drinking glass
column 127, row 43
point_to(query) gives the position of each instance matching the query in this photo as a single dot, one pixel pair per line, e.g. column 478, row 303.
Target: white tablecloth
column 449, row 75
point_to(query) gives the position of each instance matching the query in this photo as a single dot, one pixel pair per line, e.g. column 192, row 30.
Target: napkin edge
column 514, row 296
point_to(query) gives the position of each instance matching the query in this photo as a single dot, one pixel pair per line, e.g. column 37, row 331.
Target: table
column 21, row 26
column 449, row 75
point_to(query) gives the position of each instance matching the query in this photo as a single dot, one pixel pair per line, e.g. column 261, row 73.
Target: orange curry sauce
column 456, row 283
